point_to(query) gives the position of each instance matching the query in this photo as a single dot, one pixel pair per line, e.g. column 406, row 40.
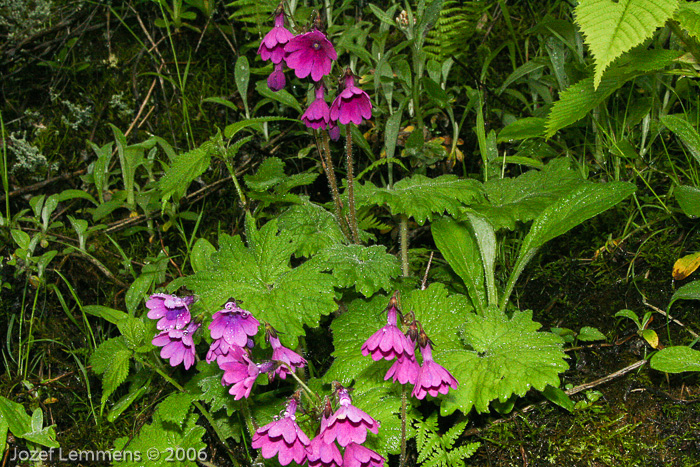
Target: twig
column 43, row 183
column 427, row 269
column 659, row 310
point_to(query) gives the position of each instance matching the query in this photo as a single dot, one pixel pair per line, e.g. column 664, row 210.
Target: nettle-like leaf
column 507, row 356
column 184, row 169
column 111, row 360
column 167, row 438
column 419, row 196
column 521, row 199
column 313, row 226
column 259, row 276
column 367, row 268
column 175, row 407
column 688, row 15
column 612, row 28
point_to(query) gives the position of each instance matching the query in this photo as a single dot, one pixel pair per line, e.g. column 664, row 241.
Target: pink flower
column 173, row 311
column 359, row 456
column 389, row 342
column 276, row 81
column 283, row 438
column 310, row 53
column 317, row 115
column 404, row 370
column 321, row 454
column 348, row 424
column 242, row 374
column 432, row 378
column 334, row 130
column 352, row 104
column 284, row 355
column 272, row 45
column 222, row 352
column 234, row 325
column 178, row 345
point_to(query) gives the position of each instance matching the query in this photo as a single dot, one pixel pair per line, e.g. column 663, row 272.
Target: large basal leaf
column 521, row 199
column 689, row 291
column 688, row 198
column 314, row 227
column 419, row 196
column 367, row 268
column 259, row 277
column 676, row 359
column 507, row 356
column 612, row 28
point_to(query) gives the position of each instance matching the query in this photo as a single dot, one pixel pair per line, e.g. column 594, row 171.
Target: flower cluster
column 311, row 54
column 347, row 427
column 232, row 330
column 391, row 343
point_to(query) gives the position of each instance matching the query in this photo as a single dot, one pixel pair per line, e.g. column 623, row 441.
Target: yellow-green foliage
column 457, row 23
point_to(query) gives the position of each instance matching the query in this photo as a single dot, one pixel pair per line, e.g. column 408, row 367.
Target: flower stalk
column 352, row 215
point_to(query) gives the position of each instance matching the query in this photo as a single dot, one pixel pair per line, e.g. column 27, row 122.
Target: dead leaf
column 685, row 266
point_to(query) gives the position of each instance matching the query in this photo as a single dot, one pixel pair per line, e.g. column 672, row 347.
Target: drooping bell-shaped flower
column 171, row 311
column 234, row 325
column 222, row 351
column 241, row 374
column 310, row 53
column 178, row 345
column 276, row 81
column 334, row 130
column 317, row 115
column 360, row 456
column 322, row 454
column 287, row 357
column 272, row 45
column 432, row 378
column 389, row 342
column 404, row 370
column 348, row 424
column 352, row 104
column 283, row 438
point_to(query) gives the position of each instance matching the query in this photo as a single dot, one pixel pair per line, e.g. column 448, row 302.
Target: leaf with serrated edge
column 612, row 28
column 175, row 407
column 509, row 357
column 313, row 226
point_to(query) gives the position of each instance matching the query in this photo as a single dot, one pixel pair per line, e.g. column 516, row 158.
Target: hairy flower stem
column 403, row 238
column 241, row 195
column 351, row 186
column 302, row 384
column 324, row 149
column 404, row 398
column 198, row 405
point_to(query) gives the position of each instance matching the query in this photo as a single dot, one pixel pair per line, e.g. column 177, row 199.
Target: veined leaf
column 688, row 15
column 685, row 131
column 685, row 266
column 185, row 168
column 687, row 292
column 260, row 277
column 419, row 196
column 688, row 198
column 367, row 268
column 508, row 357
column 612, row 28
column 314, row 227
column 676, row 359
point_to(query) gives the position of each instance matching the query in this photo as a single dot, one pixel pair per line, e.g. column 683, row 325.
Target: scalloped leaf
column 261, row 279
column 509, row 357
column 612, row 28
column 313, row 226
column 419, row 196
column 367, row 268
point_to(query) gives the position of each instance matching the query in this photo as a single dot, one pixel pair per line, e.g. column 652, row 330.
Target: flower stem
column 351, row 186
column 324, row 149
column 403, row 237
column 241, row 195
column 303, row 385
column 404, row 397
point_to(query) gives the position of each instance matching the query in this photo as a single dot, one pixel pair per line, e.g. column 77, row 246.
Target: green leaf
column 184, row 169
column 687, row 292
column 367, row 268
column 612, row 28
column 101, row 359
column 524, row 128
column 161, row 440
column 115, row 374
column 200, row 258
column 109, row 314
column 688, row 198
column 134, row 331
column 420, row 196
column 261, row 279
column 137, row 291
column 175, row 407
column 231, row 130
column 281, row 96
column 458, row 244
column 676, row 359
column 685, row 131
column 137, row 389
column 688, row 15
column 558, row 397
column 14, row 417
column 313, row 226
column 521, row 199
column 241, row 74
column 507, row 356
column 589, row 334
column 269, row 174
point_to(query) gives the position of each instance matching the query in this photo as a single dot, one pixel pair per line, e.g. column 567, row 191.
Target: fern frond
column 254, row 12
column 612, row 28
column 439, row 451
column 456, row 24
column 449, row 438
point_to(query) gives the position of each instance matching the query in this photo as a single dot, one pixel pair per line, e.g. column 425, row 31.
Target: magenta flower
column 178, row 345
column 348, row 424
column 360, row 456
column 432, row 378
column 352, row 104
column 404, row 370
column 334, row 130
column 242, row 374
column 284, row 355
column 321, row 454
column 222, row 351
column 272, row 45
column 173, row 311
column 283, row 438
column 317, row 115
column 389, row 342
column 234, row 325
column 276, row 81
column 310, row 53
